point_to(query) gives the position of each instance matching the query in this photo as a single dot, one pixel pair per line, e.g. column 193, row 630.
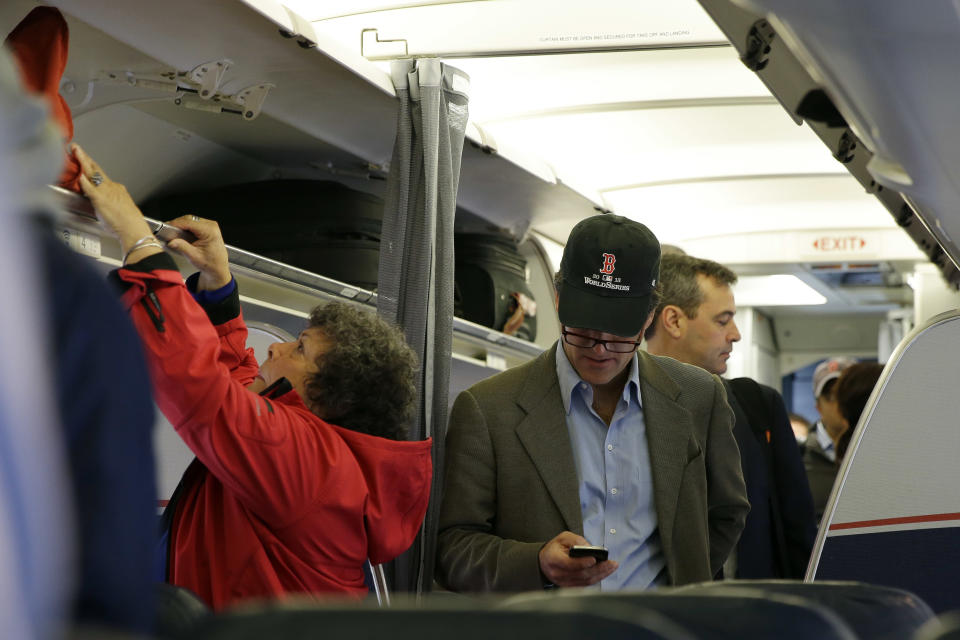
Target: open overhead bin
column 847, row 70
column 326, row 110
column 185, row 96
column 283, row 295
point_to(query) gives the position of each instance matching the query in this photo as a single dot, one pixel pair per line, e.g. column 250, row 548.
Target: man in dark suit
column 592, row 443
column 694, row 323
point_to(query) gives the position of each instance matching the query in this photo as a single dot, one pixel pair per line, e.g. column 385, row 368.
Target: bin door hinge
column 208, row 77
column 846, row 148
column 251, row 99
column 759, row 39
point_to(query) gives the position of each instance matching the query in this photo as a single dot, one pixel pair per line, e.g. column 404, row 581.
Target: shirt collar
column 824, row 438
column 570, row 381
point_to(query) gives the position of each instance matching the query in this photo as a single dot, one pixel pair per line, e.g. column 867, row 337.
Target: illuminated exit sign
column 820, row 246
column 842, row 243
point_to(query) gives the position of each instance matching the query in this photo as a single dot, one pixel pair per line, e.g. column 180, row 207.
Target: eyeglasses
column 586, row 342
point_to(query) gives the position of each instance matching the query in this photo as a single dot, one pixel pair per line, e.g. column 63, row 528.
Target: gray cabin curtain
column 415, row 288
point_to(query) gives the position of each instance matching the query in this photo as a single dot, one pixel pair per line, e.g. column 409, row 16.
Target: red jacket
column 283, row 502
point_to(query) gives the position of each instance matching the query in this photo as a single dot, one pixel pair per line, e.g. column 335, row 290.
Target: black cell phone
column 584, row 550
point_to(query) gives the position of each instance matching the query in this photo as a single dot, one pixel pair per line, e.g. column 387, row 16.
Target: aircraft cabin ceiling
column 640, row 107
column 645, row 108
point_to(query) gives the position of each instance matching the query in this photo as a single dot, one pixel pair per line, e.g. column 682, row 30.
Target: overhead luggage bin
column 321, row 90
column 835, row 66
column 329, row 114
column 282, row 295
column 343, row 104
column 868, row 56
column 318, row 225
column 389, row 30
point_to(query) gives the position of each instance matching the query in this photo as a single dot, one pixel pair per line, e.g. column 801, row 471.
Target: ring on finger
column 195, row 218
column 96, row 179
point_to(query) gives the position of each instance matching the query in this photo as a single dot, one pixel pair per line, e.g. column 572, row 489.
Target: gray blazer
column 511, row 481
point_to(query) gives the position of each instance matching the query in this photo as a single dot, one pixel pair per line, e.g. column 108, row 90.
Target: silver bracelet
column 142, row 243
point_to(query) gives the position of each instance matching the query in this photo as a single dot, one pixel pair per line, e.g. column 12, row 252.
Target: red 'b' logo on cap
column 608, row 260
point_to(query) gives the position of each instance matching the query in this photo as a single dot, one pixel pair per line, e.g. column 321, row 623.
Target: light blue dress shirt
column 826, row 443
column 616, row 483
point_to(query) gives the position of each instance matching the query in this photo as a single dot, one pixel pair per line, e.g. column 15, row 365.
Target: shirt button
column 613, row 491
column 583, row 385
column 609, row 447
column 613, row 531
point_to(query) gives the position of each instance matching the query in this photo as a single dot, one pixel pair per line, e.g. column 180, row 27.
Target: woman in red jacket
column 302, row 469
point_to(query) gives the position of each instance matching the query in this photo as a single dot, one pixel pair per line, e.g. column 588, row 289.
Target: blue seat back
column 722, row 615
column 872, row 611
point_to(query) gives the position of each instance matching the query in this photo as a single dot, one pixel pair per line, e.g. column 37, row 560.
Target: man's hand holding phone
column 589, row 551
column 563, row 569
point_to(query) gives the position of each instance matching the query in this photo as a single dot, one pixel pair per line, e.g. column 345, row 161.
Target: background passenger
column 37, row 533
column 99, row 387
column 592, row 442
column 279, row 500
column 694, row 323
column 852, row 392
column 103, row 397
column 819, row 456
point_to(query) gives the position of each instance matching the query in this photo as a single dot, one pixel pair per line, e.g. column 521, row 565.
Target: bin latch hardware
column 251, row 99
column 209, row 76
column 846, row 148
column 366, row 44
column 759, row 38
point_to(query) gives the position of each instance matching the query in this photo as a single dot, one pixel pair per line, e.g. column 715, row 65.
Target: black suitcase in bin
column 320, row 226
column 489, row 269
column 329, row 229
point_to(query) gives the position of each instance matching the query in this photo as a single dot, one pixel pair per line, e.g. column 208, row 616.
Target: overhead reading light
column 775, row 291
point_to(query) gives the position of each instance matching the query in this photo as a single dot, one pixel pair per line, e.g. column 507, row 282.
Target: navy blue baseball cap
column 608, row 273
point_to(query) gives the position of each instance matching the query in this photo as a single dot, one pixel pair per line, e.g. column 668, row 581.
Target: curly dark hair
column 679, row 286
column 365, row 381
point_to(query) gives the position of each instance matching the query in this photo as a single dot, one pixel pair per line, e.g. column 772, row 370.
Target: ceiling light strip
column 511, row 53
column 640, row 105
column 731, row 178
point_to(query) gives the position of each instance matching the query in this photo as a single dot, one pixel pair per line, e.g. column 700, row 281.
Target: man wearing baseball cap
column 819, row 456
column 592, row 443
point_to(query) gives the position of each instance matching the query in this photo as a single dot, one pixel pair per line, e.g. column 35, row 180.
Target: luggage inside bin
column 320, row 226
column 489, row 269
